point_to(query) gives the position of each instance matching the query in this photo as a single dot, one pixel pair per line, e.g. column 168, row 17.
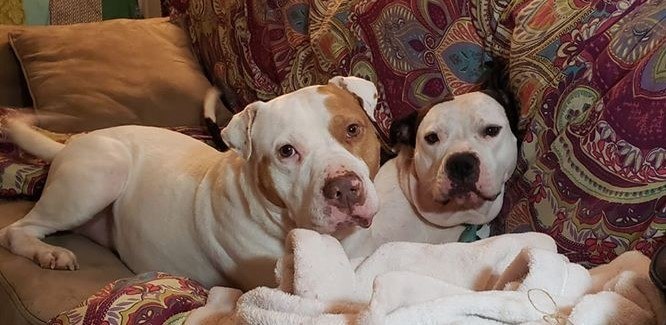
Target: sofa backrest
column 13, row 90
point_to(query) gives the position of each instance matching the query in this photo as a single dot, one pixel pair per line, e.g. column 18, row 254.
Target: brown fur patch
column 345, row 110
column 266, row 186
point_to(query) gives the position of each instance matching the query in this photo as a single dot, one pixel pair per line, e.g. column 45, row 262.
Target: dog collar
column 469, row 234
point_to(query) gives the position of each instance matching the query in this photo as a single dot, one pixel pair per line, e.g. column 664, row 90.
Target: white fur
column 26, row 137
column 211, row 102
column 181, row 207
column 408, row 184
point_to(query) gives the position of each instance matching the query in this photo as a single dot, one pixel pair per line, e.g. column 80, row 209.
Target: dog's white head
column 463, row 153
column 314, row 152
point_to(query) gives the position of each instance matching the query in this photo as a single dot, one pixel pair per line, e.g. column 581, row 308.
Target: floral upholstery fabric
column 21, row 174
column 591, row 78
column 24, row 176
column 149, row 298
column 416, row 52
column 588, row 75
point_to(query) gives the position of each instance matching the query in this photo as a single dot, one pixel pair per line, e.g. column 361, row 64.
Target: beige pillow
column 111, row 73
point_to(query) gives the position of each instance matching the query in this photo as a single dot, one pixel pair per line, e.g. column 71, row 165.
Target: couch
column 170, row 96
column 587, row 75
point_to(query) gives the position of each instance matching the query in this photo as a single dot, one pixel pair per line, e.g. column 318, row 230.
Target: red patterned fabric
column 589, row 77
column 416, row 52
column 149, row 298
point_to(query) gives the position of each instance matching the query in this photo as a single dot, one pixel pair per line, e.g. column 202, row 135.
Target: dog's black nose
column 463, row 168
column 344, row 191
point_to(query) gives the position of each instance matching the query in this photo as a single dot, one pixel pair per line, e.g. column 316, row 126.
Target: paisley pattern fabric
column 591, row 80
column 23, row 176
column 589, row 76
column 416, row 52
column 149, row 298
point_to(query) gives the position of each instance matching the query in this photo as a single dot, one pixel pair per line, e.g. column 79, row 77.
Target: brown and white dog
column 453, row 161
column 304, row 159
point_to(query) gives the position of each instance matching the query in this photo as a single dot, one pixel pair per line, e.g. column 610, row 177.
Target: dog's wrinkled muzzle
column 346, row 195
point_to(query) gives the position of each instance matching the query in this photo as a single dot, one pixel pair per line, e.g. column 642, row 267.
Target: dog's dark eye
column 431, row 138
column 353, row 130
column 287, row 151
column 492, row 131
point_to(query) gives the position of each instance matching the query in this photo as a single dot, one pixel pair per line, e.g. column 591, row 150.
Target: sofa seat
column 32, row 295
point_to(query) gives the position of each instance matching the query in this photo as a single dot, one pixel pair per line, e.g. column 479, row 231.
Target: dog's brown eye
column 492, row 130
column 431, row 138
column 287, row 151
column 353, row 130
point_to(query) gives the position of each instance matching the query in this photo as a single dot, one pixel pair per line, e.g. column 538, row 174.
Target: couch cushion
column 148, row 298
column 31, row 295
column 434, row 51
column 139, row 72
column 12, row 90
column 592, row 172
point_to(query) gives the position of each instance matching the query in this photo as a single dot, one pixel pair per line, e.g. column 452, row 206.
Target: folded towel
column 318, row 267
column 514, row 278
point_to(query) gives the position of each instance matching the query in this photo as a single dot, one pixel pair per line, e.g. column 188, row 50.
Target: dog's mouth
column 466, row 196
column 344, row 218
column 354, row 220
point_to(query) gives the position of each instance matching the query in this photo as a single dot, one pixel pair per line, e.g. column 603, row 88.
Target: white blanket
column 508, row 279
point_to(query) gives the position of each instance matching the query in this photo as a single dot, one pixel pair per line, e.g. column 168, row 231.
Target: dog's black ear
column 497, row 87
column 403, row 131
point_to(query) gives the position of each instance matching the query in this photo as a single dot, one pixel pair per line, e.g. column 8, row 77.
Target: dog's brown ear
column 238, row 133
column 365, row 92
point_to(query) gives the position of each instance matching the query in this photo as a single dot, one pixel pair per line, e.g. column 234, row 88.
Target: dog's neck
column 420, row 196
column 273, row 220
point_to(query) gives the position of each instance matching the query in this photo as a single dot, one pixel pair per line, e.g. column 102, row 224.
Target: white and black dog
column 454, row 158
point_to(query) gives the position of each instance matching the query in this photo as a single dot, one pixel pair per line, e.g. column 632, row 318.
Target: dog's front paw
column 56, row 258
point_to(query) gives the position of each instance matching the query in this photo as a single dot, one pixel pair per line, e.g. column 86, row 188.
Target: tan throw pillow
column 111, row 73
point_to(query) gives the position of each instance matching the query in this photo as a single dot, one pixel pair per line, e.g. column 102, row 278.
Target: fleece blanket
column 508, row 279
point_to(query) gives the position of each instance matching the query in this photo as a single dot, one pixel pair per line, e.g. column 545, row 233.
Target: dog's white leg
column 80, row 185
column 20, row 240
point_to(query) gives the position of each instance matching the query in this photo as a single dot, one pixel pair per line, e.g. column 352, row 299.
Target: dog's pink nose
column 345, row 191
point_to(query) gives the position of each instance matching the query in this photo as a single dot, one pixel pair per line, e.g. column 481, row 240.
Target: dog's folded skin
column 453, row 161
column 180, row 206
